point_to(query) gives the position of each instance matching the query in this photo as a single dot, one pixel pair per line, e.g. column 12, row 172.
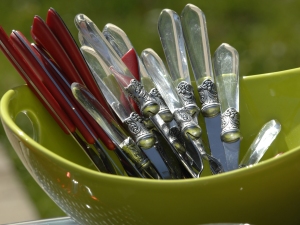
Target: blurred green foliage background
column 265, row 33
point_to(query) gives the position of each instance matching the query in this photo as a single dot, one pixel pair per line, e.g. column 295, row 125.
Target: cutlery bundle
column 110, row 98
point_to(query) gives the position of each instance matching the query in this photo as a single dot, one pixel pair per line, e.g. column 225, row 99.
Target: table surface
column 55, row 221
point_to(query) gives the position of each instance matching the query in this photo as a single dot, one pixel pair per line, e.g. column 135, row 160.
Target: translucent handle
column 117, row 38
column 96, row 39
column 197, row 43
column 95, row 109
column 226, row 72
column 261, row 143
column 226, row 68
column 107, row 83
column 161, row 79
column 171, row 37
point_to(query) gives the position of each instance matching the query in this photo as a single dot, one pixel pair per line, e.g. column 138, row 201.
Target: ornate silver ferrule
column 209, row 98
column 230, row 125
column 135, row 154
column 164, row 130
column 143, row 137
column 178, row 149
column 186, row 93
column 164, row 111
column 147, row 104
column 186, row 124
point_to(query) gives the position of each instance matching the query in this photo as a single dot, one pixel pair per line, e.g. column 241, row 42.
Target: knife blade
column 189, row 129
column 171, row 37
column 196, row 40
column 226, row 73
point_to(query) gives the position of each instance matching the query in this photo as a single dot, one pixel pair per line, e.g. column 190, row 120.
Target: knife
column 125, row 144
column 29, row 54
column 123, row 158
column 196, row 40
column 189, row 129
column 35, row 85
column 226, row 73
column 44, row 37
column 65, row 38
column 148, row 106
column 114, row 96
column 261, row 143
column 171, row 37
column 122, row 45
column 32, row 77
column 124, row 50
column 45, row 97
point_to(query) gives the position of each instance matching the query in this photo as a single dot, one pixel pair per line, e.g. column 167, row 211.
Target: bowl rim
column 8, row 121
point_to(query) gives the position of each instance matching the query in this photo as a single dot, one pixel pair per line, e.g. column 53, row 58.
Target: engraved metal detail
column 208, row 96
column 136, row 127
column 177, row 148
column 185, row 90
column 159, row 99
column 230, row 121
column 186, row 93
column 134, row 153
column 183, row 119
column 139, row 94
column 164, row 110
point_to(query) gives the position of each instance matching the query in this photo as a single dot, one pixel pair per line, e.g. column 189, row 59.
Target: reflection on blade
column 213, row 130
column 177, row 148
column 232, row 154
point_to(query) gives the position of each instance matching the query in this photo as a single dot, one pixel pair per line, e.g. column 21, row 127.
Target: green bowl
column 267, row 193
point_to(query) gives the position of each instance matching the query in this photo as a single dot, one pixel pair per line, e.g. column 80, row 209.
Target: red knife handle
column 66, row 85
column 35, row 85
column 63, row 35
column 131, row 61
column 43, row 36
column 28, row 54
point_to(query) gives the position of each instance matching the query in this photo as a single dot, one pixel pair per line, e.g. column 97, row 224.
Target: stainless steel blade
column 157, row 161
column 178, row 149
column 232, row 154
column 213, row 130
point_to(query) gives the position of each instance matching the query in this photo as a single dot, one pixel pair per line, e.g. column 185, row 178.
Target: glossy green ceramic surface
column 268, row 193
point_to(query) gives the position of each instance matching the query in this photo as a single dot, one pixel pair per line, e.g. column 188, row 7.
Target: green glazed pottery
column 267, row 193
